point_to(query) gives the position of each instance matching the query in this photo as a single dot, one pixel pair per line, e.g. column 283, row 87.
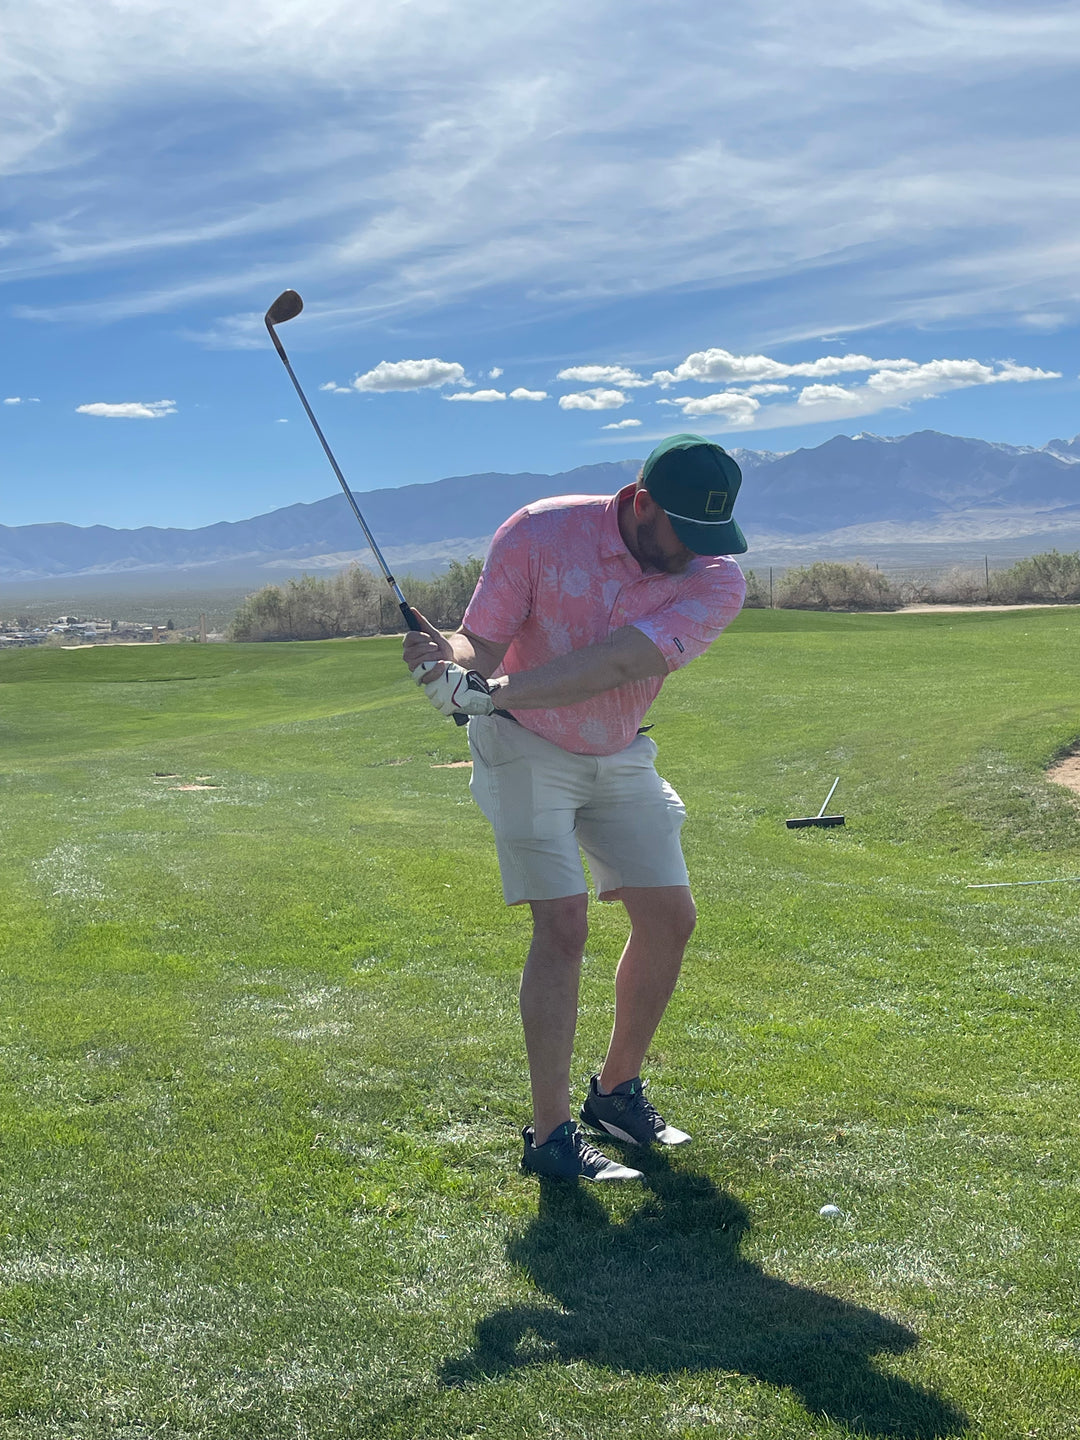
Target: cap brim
column 703, row 539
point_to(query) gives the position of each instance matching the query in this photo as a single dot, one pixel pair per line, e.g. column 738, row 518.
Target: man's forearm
column 626, row 655
column 472, row 653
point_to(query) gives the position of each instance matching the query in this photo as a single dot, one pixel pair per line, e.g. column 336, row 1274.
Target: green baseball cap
column 695, row 482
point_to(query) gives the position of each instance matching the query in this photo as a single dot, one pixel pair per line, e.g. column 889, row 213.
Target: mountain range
column 848, row 496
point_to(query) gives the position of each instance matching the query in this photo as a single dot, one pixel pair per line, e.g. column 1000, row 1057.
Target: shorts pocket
column 487, row 742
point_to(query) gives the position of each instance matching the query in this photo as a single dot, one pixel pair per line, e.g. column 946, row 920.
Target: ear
column 644, row 505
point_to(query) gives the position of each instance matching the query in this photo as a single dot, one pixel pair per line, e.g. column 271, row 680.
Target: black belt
column 642, row 729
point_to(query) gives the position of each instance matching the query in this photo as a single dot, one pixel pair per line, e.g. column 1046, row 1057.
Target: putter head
column 823, row 821
column 286, row 307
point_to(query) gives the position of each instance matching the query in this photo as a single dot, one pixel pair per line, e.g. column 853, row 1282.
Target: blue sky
column 514, row 229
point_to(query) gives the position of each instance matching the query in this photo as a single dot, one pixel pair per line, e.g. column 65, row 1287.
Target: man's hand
column 424, row 650
column 457, row 692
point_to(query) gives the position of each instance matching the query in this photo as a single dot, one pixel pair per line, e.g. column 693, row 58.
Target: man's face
column 659, row 547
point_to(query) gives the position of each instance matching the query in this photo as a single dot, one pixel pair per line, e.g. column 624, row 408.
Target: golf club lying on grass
column 286, row 307
column 820, row 819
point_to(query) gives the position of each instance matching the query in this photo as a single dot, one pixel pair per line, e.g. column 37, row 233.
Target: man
column 585, row 603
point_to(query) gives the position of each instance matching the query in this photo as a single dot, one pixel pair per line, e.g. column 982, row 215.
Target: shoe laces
column 640, row 1102
column 588, row 1154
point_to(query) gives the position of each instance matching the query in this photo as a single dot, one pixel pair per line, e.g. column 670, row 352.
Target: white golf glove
column 456, row 691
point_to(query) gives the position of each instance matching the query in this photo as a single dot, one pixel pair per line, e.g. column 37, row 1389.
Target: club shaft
column 828, row 797
column 403, row 604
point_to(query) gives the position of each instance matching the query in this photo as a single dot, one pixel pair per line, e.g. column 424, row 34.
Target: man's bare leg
column 549, row 1004
column 662, row 920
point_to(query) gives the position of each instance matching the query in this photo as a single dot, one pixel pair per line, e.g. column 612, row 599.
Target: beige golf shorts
column 547, row 805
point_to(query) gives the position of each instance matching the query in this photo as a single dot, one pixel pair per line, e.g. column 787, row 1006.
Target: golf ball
column 830, row 1211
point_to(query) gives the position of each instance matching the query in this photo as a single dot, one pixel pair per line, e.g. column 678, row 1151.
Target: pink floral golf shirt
column 558, row 577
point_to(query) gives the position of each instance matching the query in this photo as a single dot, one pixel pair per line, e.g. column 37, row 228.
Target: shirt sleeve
column 687, row 626
column 502, row 600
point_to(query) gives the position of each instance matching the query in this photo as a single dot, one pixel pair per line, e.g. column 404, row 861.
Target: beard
column 651, row 554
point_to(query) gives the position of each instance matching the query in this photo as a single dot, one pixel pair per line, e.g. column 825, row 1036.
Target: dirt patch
column 194, row 787
column 1067, row 772
column 454, row 765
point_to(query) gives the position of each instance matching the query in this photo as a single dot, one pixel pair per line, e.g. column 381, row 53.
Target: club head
column 286, row 307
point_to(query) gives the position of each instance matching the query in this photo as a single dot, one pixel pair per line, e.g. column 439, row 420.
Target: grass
column 262, row 1076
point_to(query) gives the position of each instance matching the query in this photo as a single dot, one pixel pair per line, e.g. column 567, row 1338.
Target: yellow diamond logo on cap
column 717, row 502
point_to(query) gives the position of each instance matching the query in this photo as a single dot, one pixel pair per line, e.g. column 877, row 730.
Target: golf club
column 820, row 819
column 286, row 307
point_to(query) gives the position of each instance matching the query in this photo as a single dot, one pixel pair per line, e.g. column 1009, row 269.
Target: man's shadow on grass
column 666, row 1291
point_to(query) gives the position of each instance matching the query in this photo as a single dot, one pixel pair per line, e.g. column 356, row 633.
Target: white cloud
column 335, row 389
column 522, row 394
column 621, row 425
column 13, row 400
column 766, row 390
column 411, row 375
column 593, row 400
column 736, row 408
column 889, row 389
column 824, row 394
column 603, row 374
column 709, row 366
column 129, row 409
column 495, row 372
column 937, row 376
column 483, row 396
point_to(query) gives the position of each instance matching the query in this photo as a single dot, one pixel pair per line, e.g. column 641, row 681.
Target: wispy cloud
column 522, row 394
column 592, row 400
column 621, row 425
column 485, row 397
column 842, row 148
column 129, row 409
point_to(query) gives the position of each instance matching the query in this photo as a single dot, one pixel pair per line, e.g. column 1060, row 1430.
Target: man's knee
column 667, row 910
column 561, row 927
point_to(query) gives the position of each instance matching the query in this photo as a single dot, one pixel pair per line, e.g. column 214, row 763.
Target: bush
column 832, row 585
column 757, row 592
column 957, row 587
column 353, row 602
column 1051, row 578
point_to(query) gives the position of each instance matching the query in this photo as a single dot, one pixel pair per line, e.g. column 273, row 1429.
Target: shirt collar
column 611, row 540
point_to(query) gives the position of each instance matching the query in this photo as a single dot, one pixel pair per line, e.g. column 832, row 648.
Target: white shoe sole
column 668, row 1136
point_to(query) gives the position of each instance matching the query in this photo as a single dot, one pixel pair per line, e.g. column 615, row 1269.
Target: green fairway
column 263, row 1076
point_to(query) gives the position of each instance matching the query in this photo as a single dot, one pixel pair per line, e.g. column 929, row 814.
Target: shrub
column 958, row 587
column 1052, row 578
column 353, row 602
column 757, row 592
column 833, row 585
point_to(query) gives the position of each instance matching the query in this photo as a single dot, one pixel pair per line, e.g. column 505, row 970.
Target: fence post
column 986, row 567
column 771, row 606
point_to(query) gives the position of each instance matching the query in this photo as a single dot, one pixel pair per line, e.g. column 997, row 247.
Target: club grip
column 414, row 624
